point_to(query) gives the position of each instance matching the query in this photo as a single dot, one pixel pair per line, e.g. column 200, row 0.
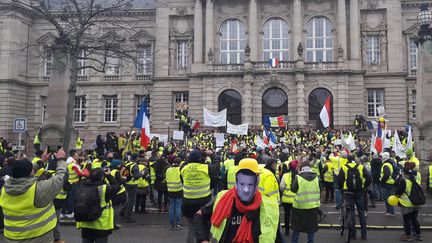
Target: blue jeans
column 387, row 191
column 296, row 234
column 338, row 196
column 376, row 187
column 357, row 201
column 175, row 210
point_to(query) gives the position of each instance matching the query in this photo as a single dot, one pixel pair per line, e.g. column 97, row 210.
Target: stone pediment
column 143, row 38
column 111, row 37
column 413, row 29
column 47, row 38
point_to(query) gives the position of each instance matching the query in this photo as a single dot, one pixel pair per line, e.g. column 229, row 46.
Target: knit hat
column 114, row 163
column 385, row 156
column 21, row 168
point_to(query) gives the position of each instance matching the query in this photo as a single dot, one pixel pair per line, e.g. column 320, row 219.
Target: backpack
column 87, row 204
column 417, row 196
column 354, row 181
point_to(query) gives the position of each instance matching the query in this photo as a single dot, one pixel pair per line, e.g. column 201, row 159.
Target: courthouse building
column 215, row 54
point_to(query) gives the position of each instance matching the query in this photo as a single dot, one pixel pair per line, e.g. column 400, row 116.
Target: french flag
column 142, row 121
column 325, row 113
column 274, row 62
column 378, row 139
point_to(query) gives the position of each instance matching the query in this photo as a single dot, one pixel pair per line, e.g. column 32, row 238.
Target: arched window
column 232, row 101
column 275, row 42
column 319, row 40
column 317, row 99
column 232, row 42
column 274, row 102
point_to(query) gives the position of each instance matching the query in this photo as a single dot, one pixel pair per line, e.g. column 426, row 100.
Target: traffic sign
column 20, row 125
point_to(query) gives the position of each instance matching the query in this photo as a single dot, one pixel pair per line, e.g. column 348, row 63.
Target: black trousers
column 287, row 210
column 140, row 203
column 329, row 190
column 410, row 221
column 164, row 195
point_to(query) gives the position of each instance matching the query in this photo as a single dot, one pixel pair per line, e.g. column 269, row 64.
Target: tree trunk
column 68, row 128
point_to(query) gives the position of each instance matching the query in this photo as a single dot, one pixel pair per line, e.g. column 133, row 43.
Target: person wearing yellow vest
column 268, row 184
column 175, row 194
column 338, row 162
column 78, row 143
column 100, row 229
column 287, row 194
column 429, row 180
column 241, row 214
column 119, row 200
column 408, row 210
column 198, row 180
column 37, row 140
column 29, row 213
column 412, row 158
column 305, row 209
column 132, row 174
column 352, row 197
column 387, row 182
column 59, row 202
column 232, row 171
column 328, row 172
column 143, row 187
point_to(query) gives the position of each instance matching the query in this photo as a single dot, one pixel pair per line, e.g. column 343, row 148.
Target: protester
column 287, row 194
column 175, row 194
column 387, row 182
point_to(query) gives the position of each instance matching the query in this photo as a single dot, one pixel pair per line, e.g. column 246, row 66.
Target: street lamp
column 424, row 19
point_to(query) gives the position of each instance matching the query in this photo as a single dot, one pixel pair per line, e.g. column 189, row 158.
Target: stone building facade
column 215, row 54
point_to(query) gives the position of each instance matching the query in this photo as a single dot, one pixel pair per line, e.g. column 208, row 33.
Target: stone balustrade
column 321, row 66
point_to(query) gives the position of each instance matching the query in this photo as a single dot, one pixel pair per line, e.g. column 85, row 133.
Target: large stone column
column 209, row 31
column 198, row 32
column 297, row 27
column 342, row 35
column 354, row 34
column 253, row 32
column 300, row 79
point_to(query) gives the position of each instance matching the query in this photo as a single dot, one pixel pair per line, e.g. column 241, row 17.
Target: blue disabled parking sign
column 20, row 125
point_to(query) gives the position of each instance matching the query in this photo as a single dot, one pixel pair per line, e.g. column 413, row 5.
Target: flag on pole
column 142, row 122
column 274, row 62
column 195, row 125
column 378, row 139
column 397, row 147
column 409, row 144
column 277, row 121
column 325, row 113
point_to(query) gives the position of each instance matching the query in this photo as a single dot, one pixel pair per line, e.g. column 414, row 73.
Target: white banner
column 178, row 135
column 220, row 139
column 215, row 119
column 398, row 148
column 241, row 129
column 387, row 142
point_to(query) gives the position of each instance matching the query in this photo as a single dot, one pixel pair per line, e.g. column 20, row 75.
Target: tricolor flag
column 195, row 125
column 325, row 113
column 277, row 121
column 378, row 139
column 142, row 121
column 274, row 62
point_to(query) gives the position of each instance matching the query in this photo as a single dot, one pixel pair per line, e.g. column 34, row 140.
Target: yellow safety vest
column 22, row 219
column 73, row 176
column 269, row 221
column 173, row 179
column 227, row 164
column 36, row 139
column 329, row 174
column 62, row 194
column 404, row 199
column 268, row 185
column 132, row 181
column 288, row 195
column 308, row 194
column 106, row 220
column 430, row 176
column 142, row 183
column 416, row 162
column 390, row 180
column 345, row 170
column 78, row 143
column 96, row 164
column 152, row 174
column 231, row 176
column 196, row 181
column 113, row 174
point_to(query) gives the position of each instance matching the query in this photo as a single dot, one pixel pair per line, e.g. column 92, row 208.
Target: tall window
column 414, row 103
column 111, row 109
column 275, row 43
column 82, row 62
column 80, row 109
column 43, row 108
column 319, row 40
column 112, row 64
column 373, row 50
column 182, row 55
column 181, row 103
column 47, row 61
column 375, row 100
column 138, row 100
column 413, row 54
column 232, row 42
column 145, row 61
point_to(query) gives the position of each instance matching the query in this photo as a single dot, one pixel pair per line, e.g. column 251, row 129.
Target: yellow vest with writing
column 196, row 181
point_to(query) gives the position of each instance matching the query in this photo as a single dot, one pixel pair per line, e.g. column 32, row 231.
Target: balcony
column 82, row 78
column 225, row 68
column 412, row 72
column 283, row 65
column 143, row 77
column 321, row 66
column 111, row 78
column 45, row 79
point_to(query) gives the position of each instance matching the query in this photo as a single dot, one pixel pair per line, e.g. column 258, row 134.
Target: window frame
column 239, row 40
column 182, row 54
column 144, row 61
column 314, row 39
column 139, row 100
column 373, row 49
column 375, row 104
column 180, row 97
column 47, row 62
column 113, row 110
column 414, row 104
column 412, row 55
column 82, row 62
column 111, row 68
column 283, row 28
column 43, row 108
column 81, row 110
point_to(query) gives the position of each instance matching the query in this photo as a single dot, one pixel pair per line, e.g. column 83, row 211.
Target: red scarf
column 224, row 208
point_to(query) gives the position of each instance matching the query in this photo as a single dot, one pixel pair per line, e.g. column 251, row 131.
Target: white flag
column 348, row 142
column 387, row 142
column 409, row 139
column 398, row 147
column 215, row 119
column 241, row 129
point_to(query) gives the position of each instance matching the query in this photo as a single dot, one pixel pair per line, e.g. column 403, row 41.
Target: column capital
column 198, row 2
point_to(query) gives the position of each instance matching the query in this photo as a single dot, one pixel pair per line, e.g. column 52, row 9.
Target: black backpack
column 417, row 196
column 87, row 204
column 354, row 180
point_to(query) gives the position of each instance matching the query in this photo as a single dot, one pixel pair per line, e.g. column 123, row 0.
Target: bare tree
column 86, row 31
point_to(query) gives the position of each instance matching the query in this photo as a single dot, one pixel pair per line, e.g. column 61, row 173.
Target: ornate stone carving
column 247, row 50
column 210, row 55
column 300, row 49
column 340, row 52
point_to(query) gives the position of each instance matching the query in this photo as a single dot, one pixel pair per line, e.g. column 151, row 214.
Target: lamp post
column 424, row 19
